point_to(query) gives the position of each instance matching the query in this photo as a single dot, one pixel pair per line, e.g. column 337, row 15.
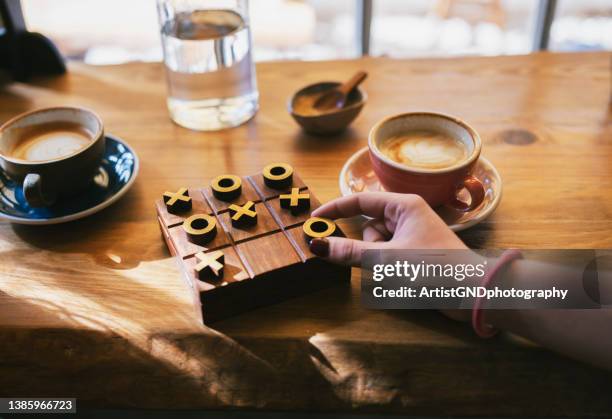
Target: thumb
column 341, row 250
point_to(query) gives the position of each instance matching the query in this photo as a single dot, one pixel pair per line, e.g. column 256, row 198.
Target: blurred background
column 118, row 31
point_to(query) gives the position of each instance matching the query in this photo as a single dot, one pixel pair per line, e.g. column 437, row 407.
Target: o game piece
column 210, row 265
column 177, row 202
column 226, row 187
column 200, row 228
column 243, row 216
column 318, row 228
column 278, row 175
column 295, row 202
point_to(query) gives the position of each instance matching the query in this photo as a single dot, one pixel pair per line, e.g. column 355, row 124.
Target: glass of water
column 209, row 63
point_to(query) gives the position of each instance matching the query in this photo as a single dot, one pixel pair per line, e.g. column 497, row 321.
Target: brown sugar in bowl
column 313, row 121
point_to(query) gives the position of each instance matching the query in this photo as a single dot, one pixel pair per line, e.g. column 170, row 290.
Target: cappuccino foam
column 425, row 150
column 51, row 141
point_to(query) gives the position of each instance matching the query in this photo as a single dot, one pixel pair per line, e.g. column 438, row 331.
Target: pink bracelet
column 480, row 327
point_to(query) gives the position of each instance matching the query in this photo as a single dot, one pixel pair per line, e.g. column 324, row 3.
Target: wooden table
column 96, row 309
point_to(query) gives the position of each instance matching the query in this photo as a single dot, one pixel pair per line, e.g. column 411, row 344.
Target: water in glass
column 209, row 67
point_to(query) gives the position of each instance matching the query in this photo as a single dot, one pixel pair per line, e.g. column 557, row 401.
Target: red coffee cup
column 438, row 186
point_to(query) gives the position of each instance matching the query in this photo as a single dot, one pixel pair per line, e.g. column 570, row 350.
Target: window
column 582, row 25
column 452, row 27
column 115, row 31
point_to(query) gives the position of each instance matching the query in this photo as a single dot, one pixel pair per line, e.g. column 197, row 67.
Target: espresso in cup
column 50, row 141
column 425, row 149
column 53, row 152
column 427, row 154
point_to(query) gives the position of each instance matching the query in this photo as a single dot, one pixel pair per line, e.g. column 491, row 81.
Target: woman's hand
column 407, row 222
column 400, row 221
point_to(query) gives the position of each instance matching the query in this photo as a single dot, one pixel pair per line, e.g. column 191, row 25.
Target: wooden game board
column 262, row 264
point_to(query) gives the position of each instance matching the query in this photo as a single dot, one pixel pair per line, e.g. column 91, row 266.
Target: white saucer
column 357, row 176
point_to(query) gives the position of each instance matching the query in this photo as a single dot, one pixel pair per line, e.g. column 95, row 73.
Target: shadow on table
column 394, row 374
column 385, row 362
column 216, row 414
column 96, row 365
column 169, row 370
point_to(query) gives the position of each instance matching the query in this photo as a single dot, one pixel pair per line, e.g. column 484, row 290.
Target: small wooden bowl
column 330, row 122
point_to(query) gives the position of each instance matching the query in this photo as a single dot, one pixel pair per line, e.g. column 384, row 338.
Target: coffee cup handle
column 476, row 191
column 33, row 191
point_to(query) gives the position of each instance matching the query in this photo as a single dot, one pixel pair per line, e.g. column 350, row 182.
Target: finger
column 342, row 250
column 371, row 234
column 367, row 203
column 375, row 231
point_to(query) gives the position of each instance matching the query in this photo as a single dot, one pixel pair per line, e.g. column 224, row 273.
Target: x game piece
column 243, row 215
column 210, row 265
column 177, row 202
column 295, row 202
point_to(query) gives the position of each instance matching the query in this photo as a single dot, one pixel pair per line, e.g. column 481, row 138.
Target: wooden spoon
column 336, row 98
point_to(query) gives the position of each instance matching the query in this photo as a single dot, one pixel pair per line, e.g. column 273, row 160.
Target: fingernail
column 320, row 247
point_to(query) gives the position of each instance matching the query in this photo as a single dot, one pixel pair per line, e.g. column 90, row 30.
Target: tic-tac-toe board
column 242, row 242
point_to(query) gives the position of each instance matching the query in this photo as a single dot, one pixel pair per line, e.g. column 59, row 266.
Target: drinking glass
column 209, row 63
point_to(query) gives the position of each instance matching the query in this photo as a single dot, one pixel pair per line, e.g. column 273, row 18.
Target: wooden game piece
column 234, row 271
column 177, row 202
column 318, row 228
column 278, row 175
column 199, row 205
column 210, row 265
column 200, row 228
column 248, row 193
column 243, row 215
column 226, row 187
column 295, row 202
column 259, row 183
column 266, row 224
column 285, row 217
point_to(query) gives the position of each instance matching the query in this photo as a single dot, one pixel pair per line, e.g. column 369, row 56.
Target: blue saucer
column 116, row 175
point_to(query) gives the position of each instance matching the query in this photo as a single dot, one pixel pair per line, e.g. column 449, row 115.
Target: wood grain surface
column 95, row 309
